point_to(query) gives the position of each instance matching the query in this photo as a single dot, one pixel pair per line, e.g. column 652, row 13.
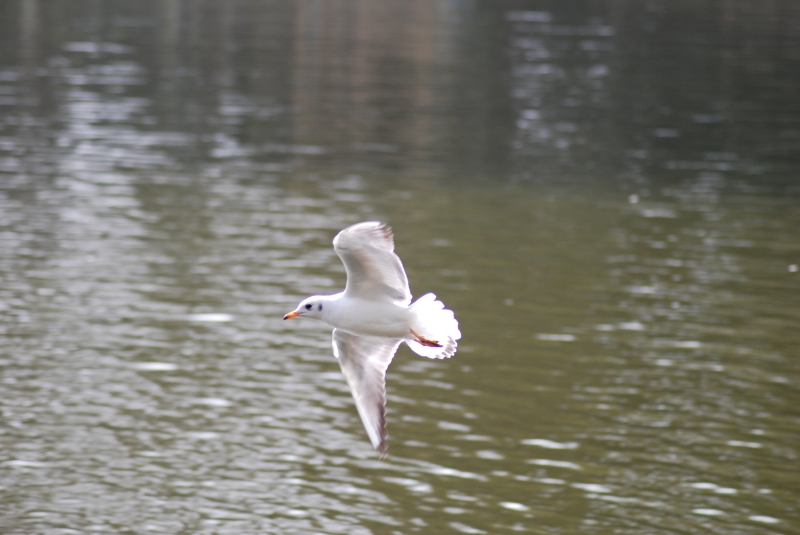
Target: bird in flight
column 373, row 316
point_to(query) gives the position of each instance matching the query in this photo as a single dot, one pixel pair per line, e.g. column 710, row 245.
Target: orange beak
column 291, row 315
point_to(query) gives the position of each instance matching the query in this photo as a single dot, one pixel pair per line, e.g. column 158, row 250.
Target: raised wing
column 373, row 270
column 364, row 360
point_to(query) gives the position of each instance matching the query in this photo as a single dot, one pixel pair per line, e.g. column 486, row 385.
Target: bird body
column 373, row 316
column 368, row 318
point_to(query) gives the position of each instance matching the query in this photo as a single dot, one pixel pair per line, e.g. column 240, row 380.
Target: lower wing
column 364, row 360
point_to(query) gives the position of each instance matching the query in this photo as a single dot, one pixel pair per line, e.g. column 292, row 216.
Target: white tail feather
column 434, row 322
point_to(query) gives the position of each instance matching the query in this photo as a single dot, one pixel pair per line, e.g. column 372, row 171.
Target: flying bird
column 373, row 316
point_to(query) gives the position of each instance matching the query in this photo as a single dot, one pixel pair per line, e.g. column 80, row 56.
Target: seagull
column 373, row 316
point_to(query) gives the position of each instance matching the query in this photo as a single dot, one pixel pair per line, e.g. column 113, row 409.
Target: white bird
column 373, row 316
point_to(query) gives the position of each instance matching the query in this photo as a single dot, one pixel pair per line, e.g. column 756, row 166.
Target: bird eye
column 319, row 307
column 308, row 306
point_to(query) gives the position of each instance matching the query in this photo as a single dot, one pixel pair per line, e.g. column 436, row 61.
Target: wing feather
column 374, row 271
column 364, row 360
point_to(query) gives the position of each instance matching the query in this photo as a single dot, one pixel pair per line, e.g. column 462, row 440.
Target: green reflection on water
column 604, row 193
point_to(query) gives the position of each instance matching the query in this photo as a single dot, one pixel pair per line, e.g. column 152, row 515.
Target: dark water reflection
column 606, row 193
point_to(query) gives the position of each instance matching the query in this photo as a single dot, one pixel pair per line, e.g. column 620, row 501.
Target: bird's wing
column 364, row 360
column 373, row 270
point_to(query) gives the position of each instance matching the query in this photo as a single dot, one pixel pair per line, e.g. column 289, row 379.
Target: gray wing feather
column 373, row 269
column 364, row 360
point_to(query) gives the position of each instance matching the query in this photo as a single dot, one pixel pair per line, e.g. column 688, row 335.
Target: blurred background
column 607, row 193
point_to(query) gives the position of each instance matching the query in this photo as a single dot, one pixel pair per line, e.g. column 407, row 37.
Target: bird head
column 310, row 307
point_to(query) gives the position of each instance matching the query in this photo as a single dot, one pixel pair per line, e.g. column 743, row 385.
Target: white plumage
column 373, row 316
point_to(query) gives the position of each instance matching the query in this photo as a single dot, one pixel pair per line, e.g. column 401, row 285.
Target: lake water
column 607, row 194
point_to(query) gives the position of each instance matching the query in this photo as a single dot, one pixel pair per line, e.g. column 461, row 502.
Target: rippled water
column 607, row 196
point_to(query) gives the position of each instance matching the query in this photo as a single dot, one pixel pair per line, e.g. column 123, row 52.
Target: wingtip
column 382, row 227
column 383, row 446
column 365, row 226
column 383, row 450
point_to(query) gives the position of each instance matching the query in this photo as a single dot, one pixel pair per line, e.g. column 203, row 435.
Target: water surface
column 606, row 194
